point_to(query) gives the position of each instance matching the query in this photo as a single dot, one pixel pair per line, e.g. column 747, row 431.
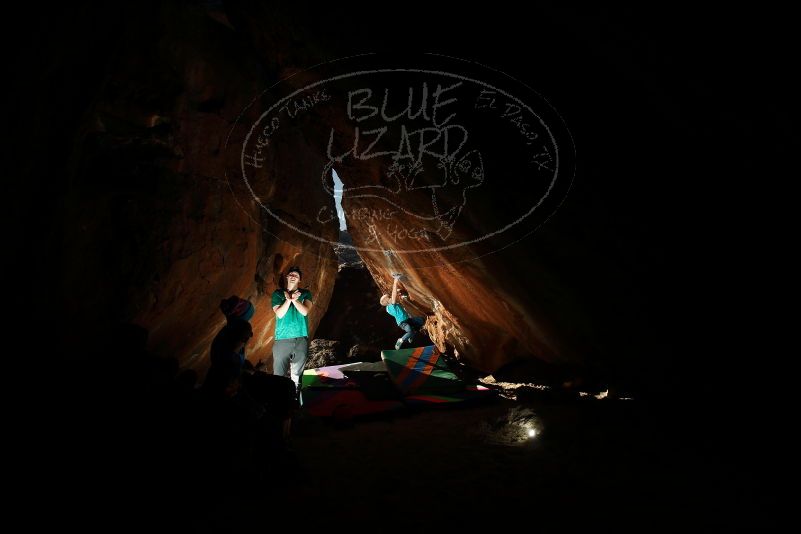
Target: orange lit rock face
column 492, row 306
column 492, row 300
column 485, row 299
column 156, row 223
column 163, row 225
column 488, row 319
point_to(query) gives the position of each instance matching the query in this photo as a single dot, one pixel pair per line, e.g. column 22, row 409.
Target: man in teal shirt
column 291, row 344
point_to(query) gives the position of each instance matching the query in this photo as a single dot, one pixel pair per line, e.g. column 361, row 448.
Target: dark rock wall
column 149, row 229
column 126, row 114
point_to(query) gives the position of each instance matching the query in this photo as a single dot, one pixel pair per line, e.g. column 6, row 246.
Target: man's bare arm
column 303, row 308
column 281, row 309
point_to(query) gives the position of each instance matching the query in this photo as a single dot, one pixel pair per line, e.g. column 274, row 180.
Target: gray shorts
column 290, row 353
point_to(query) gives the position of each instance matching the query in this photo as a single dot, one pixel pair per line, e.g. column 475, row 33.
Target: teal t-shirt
column 293, row 323
column 397, row 311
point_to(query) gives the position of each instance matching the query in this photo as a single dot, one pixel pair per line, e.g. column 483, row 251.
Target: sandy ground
column 598, row 464
column 605, row 463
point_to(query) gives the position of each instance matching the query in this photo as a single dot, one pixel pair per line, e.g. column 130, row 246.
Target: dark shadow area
column 354, row 315
column 683, row 120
